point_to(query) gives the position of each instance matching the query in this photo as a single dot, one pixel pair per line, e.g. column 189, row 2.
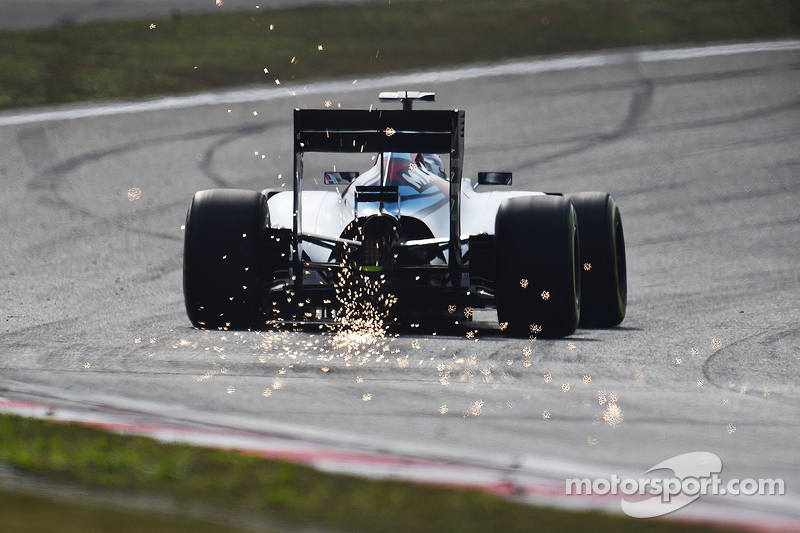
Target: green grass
column 188, row 53
column 230, row 482
column 27, row 513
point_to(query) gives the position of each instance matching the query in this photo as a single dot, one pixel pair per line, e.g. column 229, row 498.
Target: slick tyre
column 604, row 281
column 537, row 257
column 223, row 257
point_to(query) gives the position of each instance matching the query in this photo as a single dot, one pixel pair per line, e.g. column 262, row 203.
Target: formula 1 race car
column 409, row 234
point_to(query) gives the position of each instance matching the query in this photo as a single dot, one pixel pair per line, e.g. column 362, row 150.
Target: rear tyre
column 537, row 288
column 223, row 258
column 604, row 281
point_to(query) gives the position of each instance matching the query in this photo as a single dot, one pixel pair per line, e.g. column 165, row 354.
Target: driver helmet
column 434, row 164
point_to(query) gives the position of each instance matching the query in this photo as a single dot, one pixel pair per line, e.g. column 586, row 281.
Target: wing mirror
column 334, row 178
column 494, row 178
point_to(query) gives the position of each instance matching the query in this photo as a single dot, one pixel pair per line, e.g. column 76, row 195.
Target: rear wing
column 392, row 130
column 377, row 131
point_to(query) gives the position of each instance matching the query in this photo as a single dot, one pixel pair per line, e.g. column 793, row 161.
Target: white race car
column 408, row 233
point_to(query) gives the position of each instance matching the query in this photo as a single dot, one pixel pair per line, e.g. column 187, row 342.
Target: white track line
column 513, row 68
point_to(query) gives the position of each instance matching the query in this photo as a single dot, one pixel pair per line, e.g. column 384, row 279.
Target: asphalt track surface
column 701, row 151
